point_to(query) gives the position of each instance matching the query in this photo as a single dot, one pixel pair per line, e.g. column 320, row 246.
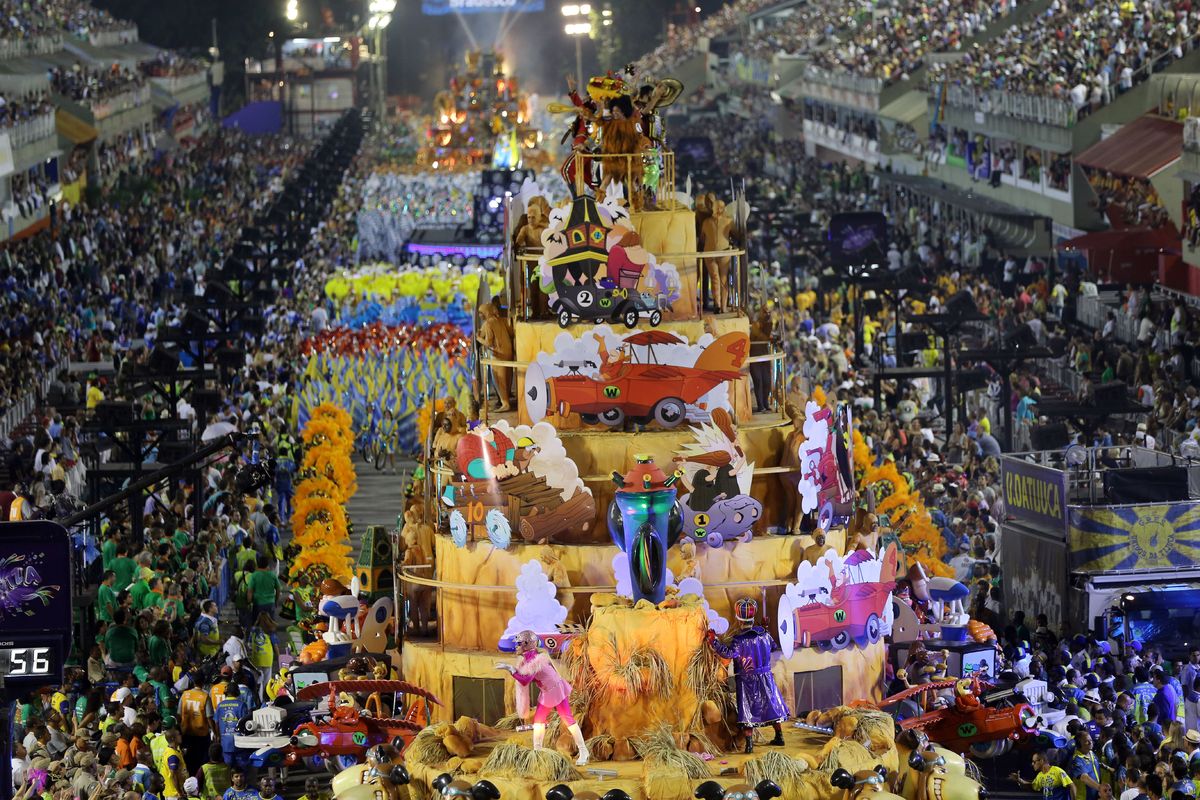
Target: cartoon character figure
column 448, row 786
column 612, row 364
column 863, row 782
column 644, row 520
column 554, row 692
column 763, row 790
column 758, row 699
column 965, row 699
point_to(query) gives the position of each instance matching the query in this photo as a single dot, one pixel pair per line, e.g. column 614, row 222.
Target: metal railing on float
column 607, row 168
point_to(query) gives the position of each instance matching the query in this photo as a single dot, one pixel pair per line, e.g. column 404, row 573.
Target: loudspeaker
column 1052, row 436
column 1114, row 394
column 1023, row 338
column 913, row 341
column 975, row 379
column 961, row 304
column 162, row 361
column 195, row 323
column 205, row 399
column 374, row 567
column 114, row 413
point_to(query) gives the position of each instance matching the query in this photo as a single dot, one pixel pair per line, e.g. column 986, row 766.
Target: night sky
column 422, row 49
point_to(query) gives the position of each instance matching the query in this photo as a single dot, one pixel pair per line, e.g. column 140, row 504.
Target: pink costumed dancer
column 554, row 692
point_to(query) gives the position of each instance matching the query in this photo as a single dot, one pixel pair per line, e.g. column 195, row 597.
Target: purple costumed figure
column 758, row 699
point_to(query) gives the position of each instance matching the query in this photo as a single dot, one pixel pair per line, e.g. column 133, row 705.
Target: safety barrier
column 1035, row 108
column 32, row 130
column 115, row 37
column 123, row 101
column 27, row 403
column 33, row 46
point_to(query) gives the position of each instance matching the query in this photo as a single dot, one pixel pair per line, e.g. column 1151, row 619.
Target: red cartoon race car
column 637, row 389
column 343, row 738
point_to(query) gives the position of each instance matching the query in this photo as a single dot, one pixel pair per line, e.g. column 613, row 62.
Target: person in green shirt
column 108, row 552
column 262, row 589
column 120, row 640
column 124, row 567
column 153, row 597
column 138, row 592
column 174, row 610
column 181, row 540
column 159, row 645
column 106, row 598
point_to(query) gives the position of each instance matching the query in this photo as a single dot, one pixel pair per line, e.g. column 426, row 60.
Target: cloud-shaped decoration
column 816, row 430
column 499, row 531
column 550, row 461
column 718, row 624
column 458, row 528
column 538, row 609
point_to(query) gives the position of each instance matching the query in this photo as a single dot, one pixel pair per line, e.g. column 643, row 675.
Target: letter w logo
column 611, row 392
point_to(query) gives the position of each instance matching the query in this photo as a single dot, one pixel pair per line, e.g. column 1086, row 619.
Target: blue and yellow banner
column 1142, row 537
column 1035, row 494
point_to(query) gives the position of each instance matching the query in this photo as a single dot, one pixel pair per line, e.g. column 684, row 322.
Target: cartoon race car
column 727, row 518
column 853, row 612
column 343, row 738
column 595, row 303
column 640, row 390
column 968, row 724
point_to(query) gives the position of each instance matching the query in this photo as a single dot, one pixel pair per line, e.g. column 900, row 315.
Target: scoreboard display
column 31, row 659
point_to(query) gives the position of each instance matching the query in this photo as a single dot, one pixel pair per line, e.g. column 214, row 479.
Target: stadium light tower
column 378, row 22
column 578, row 25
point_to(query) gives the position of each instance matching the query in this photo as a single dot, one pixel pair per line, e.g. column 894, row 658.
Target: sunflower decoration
column 333, row 412
column 323, row 430
column 316, row 508
column 320, row 528
column 334, row 465
column 314, row 485
column 910, row 518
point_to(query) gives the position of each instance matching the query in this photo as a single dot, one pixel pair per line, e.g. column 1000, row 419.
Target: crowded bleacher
column 1077, row 52
column 188, row 611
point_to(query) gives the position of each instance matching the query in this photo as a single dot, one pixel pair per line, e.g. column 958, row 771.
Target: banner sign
column 1041, row 581
column 1142, row 537
column 1035, row 494
column 35, row 577
column 439, row 7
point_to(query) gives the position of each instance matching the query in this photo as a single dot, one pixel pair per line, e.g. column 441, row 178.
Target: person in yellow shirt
column 171, row 766
column 313, row 790
column 94, row 395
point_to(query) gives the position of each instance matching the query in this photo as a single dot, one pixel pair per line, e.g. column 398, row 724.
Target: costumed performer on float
column 554, row 692
column 758, row 700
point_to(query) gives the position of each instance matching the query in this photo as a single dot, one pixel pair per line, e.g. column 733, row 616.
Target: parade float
column 639, row 515
column 482, row 119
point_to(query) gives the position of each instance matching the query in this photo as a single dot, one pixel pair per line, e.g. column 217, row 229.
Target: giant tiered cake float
column 646, row 572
